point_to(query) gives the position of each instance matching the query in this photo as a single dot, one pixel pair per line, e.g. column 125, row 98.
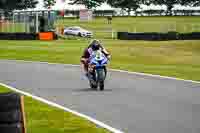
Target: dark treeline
column 130, row 6
column 100, row 13
column 173, row 13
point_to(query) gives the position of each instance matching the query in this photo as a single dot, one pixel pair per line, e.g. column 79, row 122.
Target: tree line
column 17, row 4
column 126, row 5
column 134, row 5
column 9, row 5
column 151, row 12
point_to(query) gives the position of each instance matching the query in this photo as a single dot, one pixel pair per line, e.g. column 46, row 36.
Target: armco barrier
column 158, row 36
column 11, row 113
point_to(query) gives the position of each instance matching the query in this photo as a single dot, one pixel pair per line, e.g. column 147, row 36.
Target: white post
column 135, row 29
column 184, row 28
column 176, row 27
column 7, row 25
column 28, row 22
column 24, row 21
column 192, row 27
column 13, row 25
column 37, row 24
column 113, row 34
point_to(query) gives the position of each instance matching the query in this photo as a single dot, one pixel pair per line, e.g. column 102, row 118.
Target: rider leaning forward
column 93, row 46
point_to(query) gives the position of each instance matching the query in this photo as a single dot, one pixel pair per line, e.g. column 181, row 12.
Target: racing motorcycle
column 97, row 70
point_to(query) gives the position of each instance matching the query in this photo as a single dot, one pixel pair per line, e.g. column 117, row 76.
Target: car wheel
column 79, row 34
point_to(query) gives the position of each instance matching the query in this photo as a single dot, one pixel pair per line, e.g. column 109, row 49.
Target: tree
column 49, row 3
column 8, row 4
column 17, row 4
column 27, row 4
column 127, row 5
column 153, row 12
column 169, row 3
column 195, row 2
column 88, row 3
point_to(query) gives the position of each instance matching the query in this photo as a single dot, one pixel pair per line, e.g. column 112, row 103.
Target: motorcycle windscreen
column 98, row 59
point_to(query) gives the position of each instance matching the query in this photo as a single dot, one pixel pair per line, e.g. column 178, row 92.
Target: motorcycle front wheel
column 100, row 78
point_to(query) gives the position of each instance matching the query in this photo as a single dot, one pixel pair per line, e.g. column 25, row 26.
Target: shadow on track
column 92, row 90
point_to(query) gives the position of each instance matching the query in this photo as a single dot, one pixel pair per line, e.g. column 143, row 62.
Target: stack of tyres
column 122, row 35
column 18, row 36
column 10, row 113
column 153, row 36
column 190, row 36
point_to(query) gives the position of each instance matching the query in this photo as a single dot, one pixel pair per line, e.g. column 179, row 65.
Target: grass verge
column 42, row 118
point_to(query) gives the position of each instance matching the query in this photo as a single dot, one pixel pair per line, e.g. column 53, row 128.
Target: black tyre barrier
column 11, row 115
column 172, row 36
column 158, row 36
column 11, row 128
column 22, row 36
column 122, row 35
column 9, row 101
column 190, row 36
column 18, row 36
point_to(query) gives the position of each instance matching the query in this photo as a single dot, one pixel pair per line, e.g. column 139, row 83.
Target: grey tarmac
column 131, row 103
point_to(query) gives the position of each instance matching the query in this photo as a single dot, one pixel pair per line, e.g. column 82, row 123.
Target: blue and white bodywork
column 98, row 59
column 97, row 69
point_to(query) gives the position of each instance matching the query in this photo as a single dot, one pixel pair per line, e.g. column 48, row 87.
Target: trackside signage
column 85, row 15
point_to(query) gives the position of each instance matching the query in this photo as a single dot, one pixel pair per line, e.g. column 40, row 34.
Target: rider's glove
column 109, row 57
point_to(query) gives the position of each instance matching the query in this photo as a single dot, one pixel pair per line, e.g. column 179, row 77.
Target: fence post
column 37, row 24
column 13, row 22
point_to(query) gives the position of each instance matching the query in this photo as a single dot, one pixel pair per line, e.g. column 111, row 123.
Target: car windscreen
column 75, row 29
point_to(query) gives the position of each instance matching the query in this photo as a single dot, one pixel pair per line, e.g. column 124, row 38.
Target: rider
column 93, row 46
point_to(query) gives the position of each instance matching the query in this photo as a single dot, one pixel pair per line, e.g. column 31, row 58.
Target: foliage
column 88, row 3
column 49, row 3
column 128, row 5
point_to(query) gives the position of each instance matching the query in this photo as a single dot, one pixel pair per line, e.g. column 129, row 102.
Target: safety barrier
column 158, row 36
column 12, row 115
column 18, row 36
column 25, row 36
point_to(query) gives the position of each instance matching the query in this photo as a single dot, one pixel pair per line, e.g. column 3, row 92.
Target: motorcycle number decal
column 98, row 55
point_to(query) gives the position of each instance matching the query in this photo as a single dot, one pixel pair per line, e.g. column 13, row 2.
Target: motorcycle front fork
column 91, row 71
column 92, row 76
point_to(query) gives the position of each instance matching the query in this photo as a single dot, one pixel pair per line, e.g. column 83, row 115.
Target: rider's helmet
column 95, row 45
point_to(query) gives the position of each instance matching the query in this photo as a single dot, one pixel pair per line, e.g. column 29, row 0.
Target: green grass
column 136, row 24
column 168, row 58
column 10, row 27
column 42, row 118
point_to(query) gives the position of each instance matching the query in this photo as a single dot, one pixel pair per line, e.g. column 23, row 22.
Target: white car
column 77, row 31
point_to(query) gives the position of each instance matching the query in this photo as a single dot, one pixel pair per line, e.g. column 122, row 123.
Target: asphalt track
column 132, row 103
